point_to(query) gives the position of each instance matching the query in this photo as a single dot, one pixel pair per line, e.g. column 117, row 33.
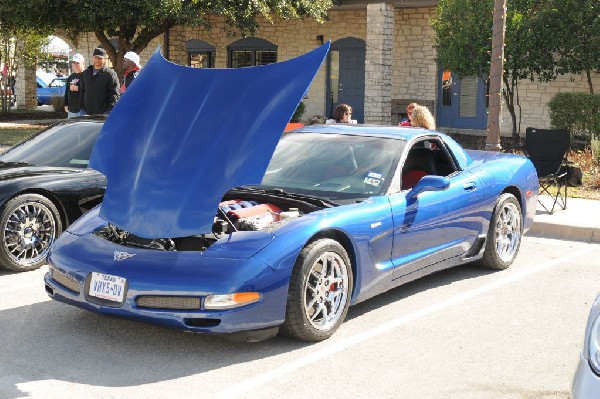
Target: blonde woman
column 409, row 112
column 421, row 117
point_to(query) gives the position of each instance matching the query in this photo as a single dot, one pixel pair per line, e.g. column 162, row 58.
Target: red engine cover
column 256, row 211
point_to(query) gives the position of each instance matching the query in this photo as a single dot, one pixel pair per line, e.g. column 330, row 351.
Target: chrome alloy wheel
column 508, row 232
column 326, row 291
column 28, row 232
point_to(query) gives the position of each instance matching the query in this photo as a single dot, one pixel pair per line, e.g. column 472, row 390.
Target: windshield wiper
column 311, row 199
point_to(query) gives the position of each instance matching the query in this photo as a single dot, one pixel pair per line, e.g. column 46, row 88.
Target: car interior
column 427, row 157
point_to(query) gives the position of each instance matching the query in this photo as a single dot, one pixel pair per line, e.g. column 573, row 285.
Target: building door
column 346, row 76
column 461, row 102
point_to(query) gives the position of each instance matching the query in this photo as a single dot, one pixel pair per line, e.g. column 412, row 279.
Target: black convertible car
column 45, row 185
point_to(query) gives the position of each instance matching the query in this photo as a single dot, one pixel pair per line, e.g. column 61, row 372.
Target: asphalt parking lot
column 462, row 333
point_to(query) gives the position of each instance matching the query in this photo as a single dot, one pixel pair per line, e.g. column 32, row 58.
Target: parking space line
column 328, row 350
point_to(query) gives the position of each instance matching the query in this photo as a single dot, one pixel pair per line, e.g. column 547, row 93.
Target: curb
column 580, row 221
column 562, row 232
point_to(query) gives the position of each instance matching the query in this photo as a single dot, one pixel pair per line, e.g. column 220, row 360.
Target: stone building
column 382, row 57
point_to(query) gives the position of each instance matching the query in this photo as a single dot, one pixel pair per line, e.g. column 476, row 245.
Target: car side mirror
column 430, row 183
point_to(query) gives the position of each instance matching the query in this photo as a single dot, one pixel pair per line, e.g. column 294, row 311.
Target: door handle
column 470, row 186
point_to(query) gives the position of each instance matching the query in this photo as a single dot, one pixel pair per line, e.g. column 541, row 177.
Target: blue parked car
column 224, row 228
column 49, row 86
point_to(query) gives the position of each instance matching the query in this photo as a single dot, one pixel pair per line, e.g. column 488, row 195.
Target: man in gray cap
column 72, row 107
column 99, row 87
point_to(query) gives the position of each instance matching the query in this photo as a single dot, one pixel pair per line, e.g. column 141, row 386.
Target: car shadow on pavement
column 51, row 341
column 435, row 280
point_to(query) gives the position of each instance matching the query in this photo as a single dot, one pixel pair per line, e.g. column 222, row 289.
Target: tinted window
column 336, row 166
column 65, row 145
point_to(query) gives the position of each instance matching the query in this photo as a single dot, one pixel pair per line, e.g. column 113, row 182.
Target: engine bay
column 238, row 211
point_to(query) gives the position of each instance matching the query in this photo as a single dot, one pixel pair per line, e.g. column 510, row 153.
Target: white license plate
column 107, row 287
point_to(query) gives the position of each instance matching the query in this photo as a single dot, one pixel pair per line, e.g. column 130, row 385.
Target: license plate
column 107, row 287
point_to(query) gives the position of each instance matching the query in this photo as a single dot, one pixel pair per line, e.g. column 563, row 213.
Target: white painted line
column 264, row 378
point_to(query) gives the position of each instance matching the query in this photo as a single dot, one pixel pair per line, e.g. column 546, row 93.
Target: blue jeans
column 74, row 114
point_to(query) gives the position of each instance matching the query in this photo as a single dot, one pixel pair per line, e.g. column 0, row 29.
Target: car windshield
column 63, row 145
column 60, row 82
column 332, row 165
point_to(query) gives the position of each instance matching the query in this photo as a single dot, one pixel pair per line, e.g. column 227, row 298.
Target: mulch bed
column 509, row 144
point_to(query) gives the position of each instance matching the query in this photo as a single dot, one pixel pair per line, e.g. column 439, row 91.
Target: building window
column 200, row 54
column 201, row 60
column 251, row 52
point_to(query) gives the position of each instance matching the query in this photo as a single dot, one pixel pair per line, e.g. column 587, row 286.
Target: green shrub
column 577, row 112
column 298, row 113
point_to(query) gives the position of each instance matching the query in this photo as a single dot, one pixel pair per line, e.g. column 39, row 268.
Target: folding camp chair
column 547, row 150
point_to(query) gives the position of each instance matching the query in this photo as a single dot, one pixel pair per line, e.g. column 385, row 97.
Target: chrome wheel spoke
column 28, row 232
column 508, row 232
column 325, row 292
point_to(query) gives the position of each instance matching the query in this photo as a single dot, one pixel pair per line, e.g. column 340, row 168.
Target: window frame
column 251, row 45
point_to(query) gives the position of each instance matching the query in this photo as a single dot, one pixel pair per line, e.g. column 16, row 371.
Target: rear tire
column 29, row 224
column 504, row 235
column 320, row 291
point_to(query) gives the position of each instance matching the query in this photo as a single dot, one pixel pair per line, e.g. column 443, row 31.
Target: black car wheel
column 504, row 235
column 320, row 290
column 29, row 223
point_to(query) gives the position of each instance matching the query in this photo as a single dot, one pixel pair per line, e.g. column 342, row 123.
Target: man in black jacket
column 99, row 86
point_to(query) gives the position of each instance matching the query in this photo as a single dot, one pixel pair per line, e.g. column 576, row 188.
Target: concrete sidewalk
column 579, row 222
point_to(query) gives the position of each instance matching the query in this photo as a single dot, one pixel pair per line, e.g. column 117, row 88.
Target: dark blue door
column 461, row 102
column 346, row 72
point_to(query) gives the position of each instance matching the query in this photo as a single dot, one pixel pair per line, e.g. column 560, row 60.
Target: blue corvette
column 47, row 90
column 326, row 217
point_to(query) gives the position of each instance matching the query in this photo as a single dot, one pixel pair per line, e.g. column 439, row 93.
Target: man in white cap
column 72, row 107
column 131, row 65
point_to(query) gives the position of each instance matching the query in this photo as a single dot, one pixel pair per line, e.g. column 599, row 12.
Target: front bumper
column 160, row 273
column 586, row 383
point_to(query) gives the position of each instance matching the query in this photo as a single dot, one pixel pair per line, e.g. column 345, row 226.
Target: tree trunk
column 509, row 99
column 589, row 79
column 496, row 71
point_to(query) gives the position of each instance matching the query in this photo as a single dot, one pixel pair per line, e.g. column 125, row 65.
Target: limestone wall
column 413, row 66
column 292, row 38
column 534, row 97
column 415, row 69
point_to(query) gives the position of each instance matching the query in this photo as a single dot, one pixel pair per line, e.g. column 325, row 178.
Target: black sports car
column 45, row 185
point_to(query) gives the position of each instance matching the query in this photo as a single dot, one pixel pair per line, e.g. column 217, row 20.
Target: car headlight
column 230, row 301
column 594, row 345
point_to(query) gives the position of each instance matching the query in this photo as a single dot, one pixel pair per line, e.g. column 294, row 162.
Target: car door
column 435, row 226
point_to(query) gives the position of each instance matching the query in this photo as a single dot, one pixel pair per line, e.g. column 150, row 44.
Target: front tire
column 320, row 291
column 29, row 223
column 504, row 235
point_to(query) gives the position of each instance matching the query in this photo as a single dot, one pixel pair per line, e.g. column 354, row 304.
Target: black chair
column 547, row 150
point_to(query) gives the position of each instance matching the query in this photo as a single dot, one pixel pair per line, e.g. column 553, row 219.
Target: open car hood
column 180, row 137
